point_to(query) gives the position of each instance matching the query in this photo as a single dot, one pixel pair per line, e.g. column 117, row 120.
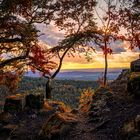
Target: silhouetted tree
column 129, row 19
column 100, row 36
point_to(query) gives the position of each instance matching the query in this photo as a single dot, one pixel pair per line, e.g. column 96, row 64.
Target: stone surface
column 133, row 84
column 56, row 106
column 57, row 126
column 135, row 65
column 99, row 107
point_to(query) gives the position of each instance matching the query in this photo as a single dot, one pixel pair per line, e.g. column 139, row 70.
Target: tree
column 100, row 36
column 18, row 18
column 18, row 32
column 129, row 19
column 19, row 35
column 109, row 29
column 80, row 15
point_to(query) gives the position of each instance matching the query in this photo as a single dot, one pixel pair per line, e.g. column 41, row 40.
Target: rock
column 123, row 76
column 99, row 108
column 58, row 126
column 14, row 103
column 56, row 106
column 35, row 101
column 133, row 84
column 135, row 65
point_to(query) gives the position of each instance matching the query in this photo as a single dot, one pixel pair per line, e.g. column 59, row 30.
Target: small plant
column 101, row 80
column 86, row 99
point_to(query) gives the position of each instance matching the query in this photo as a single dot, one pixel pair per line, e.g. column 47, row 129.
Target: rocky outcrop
column 133, row 84
column 99, row 107
column 28, row 123
column 123, row 77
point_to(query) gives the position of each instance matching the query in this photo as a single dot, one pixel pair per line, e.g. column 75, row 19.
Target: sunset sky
column 121, row 57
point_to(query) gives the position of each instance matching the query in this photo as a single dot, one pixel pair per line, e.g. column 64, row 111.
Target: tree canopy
column 19, row 35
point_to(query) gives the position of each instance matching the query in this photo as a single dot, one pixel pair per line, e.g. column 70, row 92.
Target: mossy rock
column 102, row 91
column 134, row 76
column 133, row 85
column 57, row 126
column 56, row 106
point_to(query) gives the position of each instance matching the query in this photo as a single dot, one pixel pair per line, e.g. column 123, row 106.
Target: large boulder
column 58, row 126
column 56, row 106
column 35, row 101
column 133, row 85
column 14, row 103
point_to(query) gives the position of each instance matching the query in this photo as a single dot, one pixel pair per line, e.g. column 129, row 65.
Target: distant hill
column 82, row 74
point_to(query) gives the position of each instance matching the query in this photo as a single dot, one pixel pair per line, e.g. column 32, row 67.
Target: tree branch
column 12, row 40
column 11, row 60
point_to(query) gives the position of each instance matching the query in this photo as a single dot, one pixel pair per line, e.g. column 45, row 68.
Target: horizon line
column 95, row 68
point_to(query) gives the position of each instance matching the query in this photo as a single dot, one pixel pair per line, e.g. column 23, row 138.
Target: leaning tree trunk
column 48, row 84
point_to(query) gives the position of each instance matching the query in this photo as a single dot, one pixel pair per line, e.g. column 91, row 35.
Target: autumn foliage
column 10, row 80
column 40, row 59
column 85, row 99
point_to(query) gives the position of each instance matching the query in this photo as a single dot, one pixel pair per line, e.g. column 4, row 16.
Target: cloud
column 50, row 34
column 118, row 47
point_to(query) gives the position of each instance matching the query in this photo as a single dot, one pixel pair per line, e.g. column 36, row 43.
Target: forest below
column 67, row 91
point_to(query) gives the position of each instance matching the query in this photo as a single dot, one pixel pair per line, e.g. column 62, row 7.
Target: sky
column 121, row 57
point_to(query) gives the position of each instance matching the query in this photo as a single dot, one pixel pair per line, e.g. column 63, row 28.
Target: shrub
column 86, row 99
